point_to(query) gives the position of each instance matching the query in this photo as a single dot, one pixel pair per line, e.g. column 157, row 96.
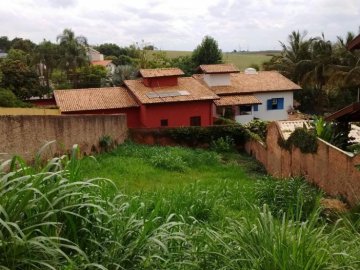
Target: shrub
column 301, row 138
column 223, row 145
column 168, row 161
column 258, row 127
column 106, row 142
column 8, row 99
column 294, row 197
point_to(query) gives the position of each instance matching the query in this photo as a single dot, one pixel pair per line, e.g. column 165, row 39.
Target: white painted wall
column 111, row 68
column 94, row 55
column 271, row 115
column 217, row 79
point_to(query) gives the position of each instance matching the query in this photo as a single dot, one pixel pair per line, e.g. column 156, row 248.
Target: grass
column 166, row 208
column 241, row 60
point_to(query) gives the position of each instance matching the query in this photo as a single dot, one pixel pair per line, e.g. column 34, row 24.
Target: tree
column 73, row 50
column 47, row 59
column 110, row 49
column 90, row 77
column 20, row 78
column 5, row 43
column 185, row 63
column 207, row 52
column 25, row 45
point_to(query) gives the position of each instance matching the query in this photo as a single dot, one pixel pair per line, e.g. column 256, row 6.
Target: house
column 108, row 64
column 168, row 100
column 3, row 54
column 110, row 100
column 160, row 98
column 248, row 95
column 94, row 55
column 354, row 44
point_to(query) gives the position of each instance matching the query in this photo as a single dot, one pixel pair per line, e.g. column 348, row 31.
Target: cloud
column 180, row 25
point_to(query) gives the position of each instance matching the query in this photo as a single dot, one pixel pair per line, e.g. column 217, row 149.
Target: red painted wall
column 42, row 102
column 161, row 81
column 177, row 113
column 132, row 114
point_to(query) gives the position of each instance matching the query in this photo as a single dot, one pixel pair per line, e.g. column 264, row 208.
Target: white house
column 248, row 95
column 94, row 55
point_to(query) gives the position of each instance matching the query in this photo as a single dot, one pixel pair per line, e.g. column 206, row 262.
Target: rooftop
column 103, row 63
column 288, row 127
column 236, row 100
column 354, row 44
column 349, row 113
column 93, row 99
column 161, row 72
column 263, row 81
column 187, row 89
column 218, row 68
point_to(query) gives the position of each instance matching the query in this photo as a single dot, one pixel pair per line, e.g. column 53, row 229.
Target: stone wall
column 332, row 169
column 25, row 135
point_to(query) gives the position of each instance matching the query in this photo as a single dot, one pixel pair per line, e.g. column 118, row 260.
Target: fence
column 25, row 135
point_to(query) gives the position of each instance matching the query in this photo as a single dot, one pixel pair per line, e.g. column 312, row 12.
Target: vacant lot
column 166, row 208
column 241, row 60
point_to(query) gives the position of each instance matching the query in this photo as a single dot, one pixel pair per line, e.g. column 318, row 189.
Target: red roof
column 161, row 72
column 103, row 63
column 354, row 44
column 218, row 68
column 94, row 99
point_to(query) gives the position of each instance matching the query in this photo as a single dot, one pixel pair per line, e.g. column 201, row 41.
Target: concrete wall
column 272, row 115
column 332, row 169
column 217, row 79
column 28, row 111
column 25, row 135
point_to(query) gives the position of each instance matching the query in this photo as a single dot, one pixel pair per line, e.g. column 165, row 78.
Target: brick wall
column 24, row 135
column 332, row 169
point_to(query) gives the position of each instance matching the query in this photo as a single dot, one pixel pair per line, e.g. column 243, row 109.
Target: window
column 256, row 107
column 164, row 122
column 195, row 121
column 275, row 104
column 245, row 109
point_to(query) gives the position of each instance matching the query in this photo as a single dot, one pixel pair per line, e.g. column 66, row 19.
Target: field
column 241, row 60
column 167, row 208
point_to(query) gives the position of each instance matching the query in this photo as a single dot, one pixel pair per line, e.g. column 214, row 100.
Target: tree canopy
column 207, row 52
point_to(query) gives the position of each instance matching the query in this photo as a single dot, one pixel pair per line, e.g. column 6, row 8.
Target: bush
column 8, row 99
column 195, row 136
column 106, row 142
column 301, row 138
column 223, row 145
column 168, row 161
column 295, row 197
column 258, row 127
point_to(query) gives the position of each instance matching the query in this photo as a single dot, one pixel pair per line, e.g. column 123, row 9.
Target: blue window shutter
column 269, row 104
column 256, row 108
column 280, row 103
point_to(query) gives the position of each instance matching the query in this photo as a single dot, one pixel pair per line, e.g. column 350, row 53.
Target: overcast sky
column 179, row 24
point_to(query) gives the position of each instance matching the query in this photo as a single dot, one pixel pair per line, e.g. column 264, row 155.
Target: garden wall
column 25, row 135
column 29, row 111
column 332, row 169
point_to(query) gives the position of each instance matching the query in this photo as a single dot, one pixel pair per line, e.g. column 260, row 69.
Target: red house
column 111, row 100
column 166, row 99
column 160, row 98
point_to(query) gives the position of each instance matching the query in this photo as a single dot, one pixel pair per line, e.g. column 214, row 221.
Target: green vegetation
column 327, row 71
column 167, row 208
column 301, row 138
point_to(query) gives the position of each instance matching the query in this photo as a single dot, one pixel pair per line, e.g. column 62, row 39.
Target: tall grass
column 50, row 218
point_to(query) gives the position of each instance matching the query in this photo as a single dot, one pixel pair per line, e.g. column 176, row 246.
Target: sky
column 180, row 24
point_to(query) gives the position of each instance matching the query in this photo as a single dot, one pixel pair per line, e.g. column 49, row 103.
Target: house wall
column 331, row 169
column 161, row 81
column 132, row 114
column 273, row 115
column 217, row 79
column 95, row 55
column 177, row 113
column 25, row 135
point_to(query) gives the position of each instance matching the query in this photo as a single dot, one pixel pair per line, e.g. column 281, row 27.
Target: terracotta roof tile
column 263, row 81
column 103, row 63
column 188, row 89
column 161, row 72
column 94, row 99
column 236, row 100
column 219, row 68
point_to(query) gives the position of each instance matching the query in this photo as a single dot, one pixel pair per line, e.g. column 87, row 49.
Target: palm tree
column 73, row 49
